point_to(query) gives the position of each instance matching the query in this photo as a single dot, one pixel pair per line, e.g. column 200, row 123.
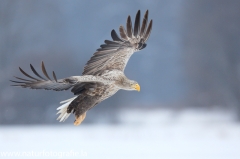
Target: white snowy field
column 159, row 134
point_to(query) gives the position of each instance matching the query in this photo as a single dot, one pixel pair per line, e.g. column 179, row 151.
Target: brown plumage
column 103, row 74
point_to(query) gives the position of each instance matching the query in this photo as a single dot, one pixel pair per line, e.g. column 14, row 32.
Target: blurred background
column 189, row 104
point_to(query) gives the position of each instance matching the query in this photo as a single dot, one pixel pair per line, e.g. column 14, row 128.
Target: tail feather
column 65, row 101
column 63, row 109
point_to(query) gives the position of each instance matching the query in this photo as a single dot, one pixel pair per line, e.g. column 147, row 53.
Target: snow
column 156, row 134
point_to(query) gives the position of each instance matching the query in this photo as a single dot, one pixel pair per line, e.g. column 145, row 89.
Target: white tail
column 63, row 109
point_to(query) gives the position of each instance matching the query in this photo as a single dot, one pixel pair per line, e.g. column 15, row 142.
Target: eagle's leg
column 79, row 119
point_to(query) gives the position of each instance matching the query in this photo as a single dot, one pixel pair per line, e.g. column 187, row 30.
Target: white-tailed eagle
column 103, row 74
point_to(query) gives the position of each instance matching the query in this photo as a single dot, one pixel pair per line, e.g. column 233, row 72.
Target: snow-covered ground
column 159, row 134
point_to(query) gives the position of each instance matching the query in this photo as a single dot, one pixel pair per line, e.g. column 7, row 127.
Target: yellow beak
column 137, row 87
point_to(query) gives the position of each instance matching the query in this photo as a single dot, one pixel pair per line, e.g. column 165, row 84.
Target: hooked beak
column 136, row 87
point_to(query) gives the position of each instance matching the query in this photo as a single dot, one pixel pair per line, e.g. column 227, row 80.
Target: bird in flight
column 103, row 74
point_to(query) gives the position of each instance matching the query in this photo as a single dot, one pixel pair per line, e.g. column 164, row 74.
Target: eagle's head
column 130, row 85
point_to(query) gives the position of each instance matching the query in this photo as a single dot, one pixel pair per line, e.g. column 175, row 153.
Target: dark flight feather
column 54, row 76
column 129, row 27
column 137, row 24
column 28, row 74
column 35, row 72
column 111, row 42
column 123, row 33
column 23, row 79
column 115, row 37
column 44, row 71
column 147, row 34
column 144, row 24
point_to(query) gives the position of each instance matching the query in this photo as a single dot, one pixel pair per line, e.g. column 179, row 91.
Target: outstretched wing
column 115, row 54
column 56, row 84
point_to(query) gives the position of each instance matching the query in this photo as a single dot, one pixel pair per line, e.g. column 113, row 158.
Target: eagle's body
column 103, row 74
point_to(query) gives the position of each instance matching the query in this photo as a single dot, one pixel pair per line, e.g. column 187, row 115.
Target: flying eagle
column 103, row 74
